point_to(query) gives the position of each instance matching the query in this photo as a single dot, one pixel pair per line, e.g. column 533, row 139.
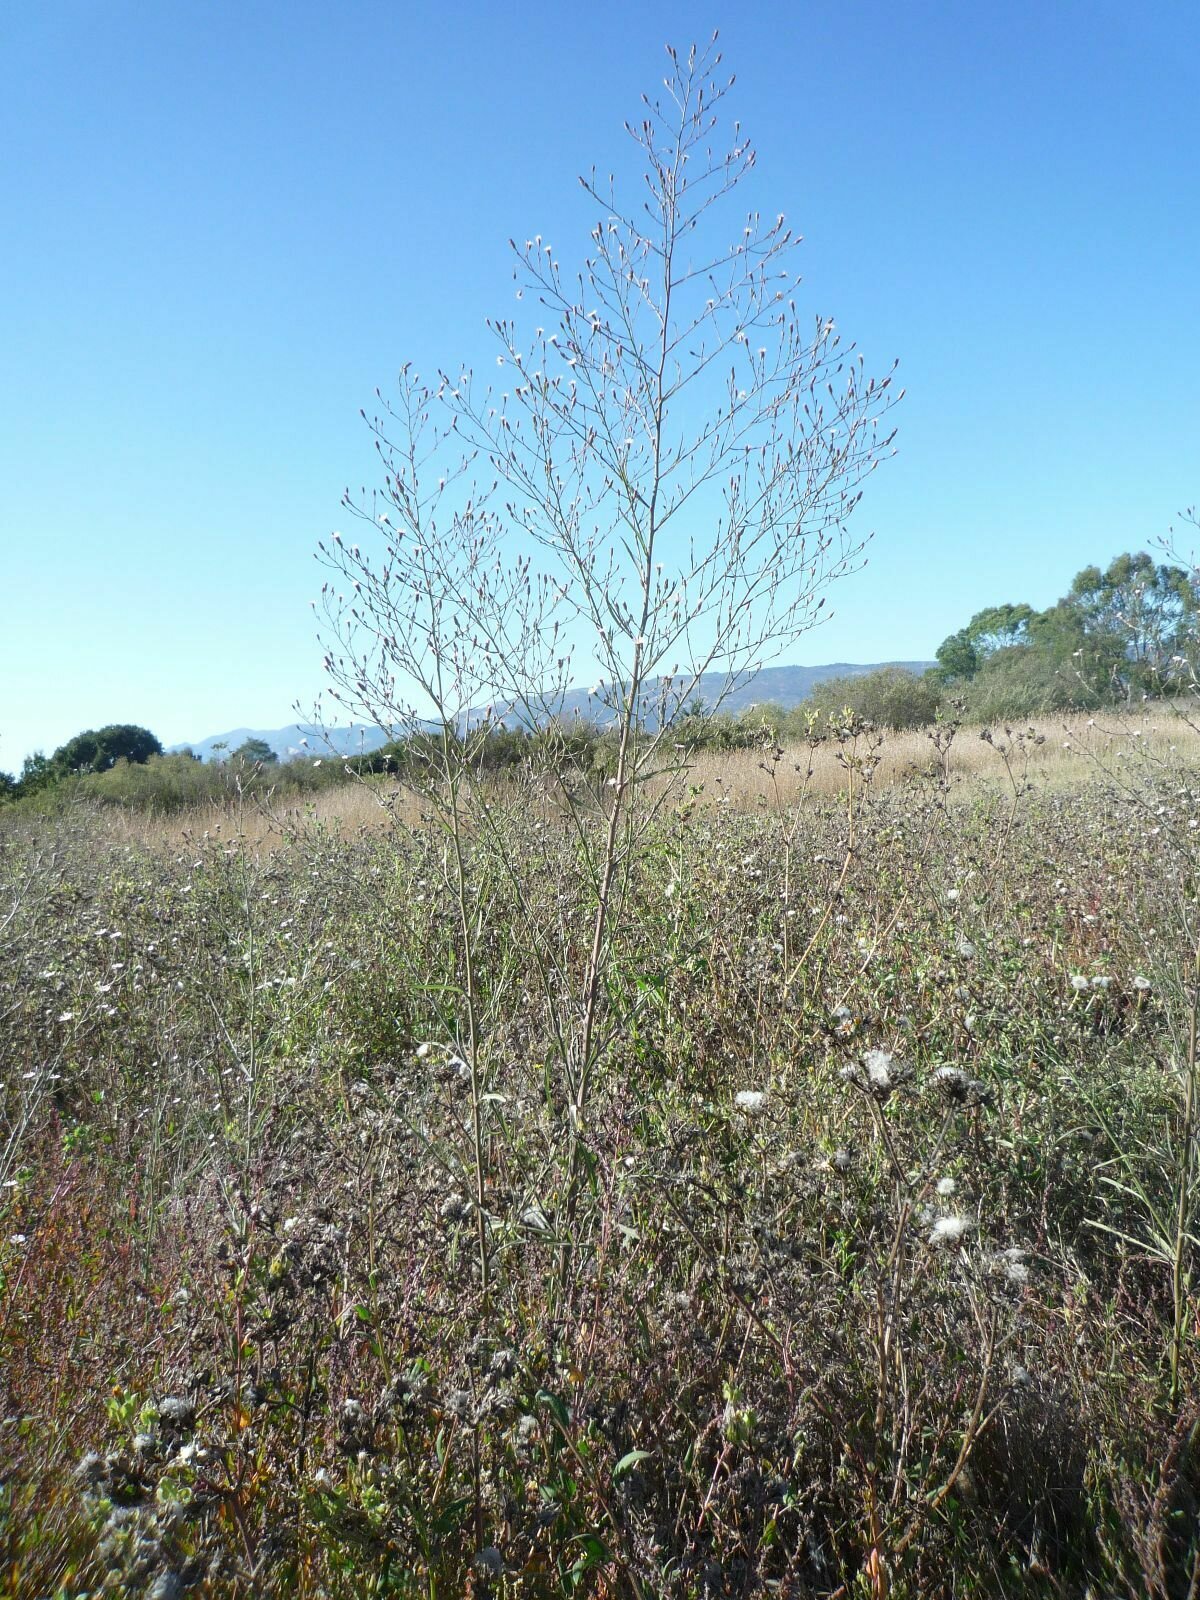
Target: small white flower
column 949, row 1230
column 751, row 1101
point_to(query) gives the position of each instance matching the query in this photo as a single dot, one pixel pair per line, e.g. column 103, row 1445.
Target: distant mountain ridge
column 782, row 686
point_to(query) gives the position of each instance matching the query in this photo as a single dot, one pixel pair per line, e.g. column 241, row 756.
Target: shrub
column 1025, row 682
column 890, row 697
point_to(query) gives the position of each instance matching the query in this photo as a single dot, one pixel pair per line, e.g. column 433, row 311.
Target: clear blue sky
column 224, row 224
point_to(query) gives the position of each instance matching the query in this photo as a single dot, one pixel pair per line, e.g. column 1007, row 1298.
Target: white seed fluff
column 751, row 1101
column 949, row 1230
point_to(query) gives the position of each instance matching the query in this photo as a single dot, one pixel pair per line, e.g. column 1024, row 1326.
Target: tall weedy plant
column 658, row 484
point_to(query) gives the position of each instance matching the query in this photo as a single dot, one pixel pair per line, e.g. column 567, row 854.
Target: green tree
column 999, row 628
column 37, row 772
column 255, row 752
column 995, row 628
column 957, row 658
column 1128, row 630
column 98, row 749
column 1058, row 666
column 1142, row 615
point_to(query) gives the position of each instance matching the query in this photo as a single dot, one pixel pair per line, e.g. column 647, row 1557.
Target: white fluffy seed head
column 751, row 1101
column 949, row 1230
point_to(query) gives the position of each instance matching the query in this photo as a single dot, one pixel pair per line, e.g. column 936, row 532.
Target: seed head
column 959, row 1088
column 950, row 1230
column 1010, row 1264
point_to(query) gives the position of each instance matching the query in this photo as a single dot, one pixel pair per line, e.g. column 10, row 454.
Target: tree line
column 1119, row 635
column 108, row 750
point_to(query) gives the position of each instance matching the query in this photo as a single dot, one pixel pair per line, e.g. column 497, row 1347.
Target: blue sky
column 226, row 224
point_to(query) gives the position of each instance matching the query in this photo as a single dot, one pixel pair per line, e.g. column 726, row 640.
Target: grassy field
column 869, row 1270
column 1053, row 753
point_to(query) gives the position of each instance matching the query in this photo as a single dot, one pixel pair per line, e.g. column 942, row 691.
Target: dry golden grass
column 1060, row 751
column 345, row 809
column 1055, row 751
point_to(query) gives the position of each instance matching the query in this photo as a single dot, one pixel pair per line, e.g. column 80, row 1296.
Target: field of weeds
column 1052, row 752
column 868, row 1271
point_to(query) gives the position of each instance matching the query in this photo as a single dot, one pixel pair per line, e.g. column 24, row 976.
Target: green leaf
column 628, row 1461
column 451, row 1516
column 556, row 1408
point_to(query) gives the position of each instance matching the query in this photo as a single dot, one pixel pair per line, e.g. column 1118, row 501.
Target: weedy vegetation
column 870, row 1268
column 595, row 1178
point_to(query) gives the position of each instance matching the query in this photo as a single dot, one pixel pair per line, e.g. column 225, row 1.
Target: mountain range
column 782, row 686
